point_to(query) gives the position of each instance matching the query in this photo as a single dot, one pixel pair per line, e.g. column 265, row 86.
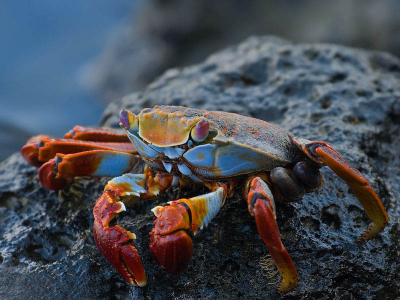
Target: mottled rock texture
column 347, row 97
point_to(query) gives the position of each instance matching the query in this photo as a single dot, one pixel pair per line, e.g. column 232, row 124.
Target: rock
column 346, row 97
column 165, row 34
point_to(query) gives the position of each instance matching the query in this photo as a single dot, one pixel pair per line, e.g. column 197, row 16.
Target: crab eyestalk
column 200, row 131
column 128, row 120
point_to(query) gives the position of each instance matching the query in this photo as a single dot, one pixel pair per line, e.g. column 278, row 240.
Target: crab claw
column 114, row 242
column 170, row 244
column 47, row 176
column 172, row 251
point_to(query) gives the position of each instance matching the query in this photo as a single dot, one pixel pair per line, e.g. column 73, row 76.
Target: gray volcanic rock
column 347, row 97
column 165, row 34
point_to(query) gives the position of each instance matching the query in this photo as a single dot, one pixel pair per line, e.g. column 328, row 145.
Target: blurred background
column 62, row 62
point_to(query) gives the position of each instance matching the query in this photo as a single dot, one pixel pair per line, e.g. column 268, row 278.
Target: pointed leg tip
column 372, row 231
column 286, row 287
column 30, row 153
column 142, row 283
column 47, row 177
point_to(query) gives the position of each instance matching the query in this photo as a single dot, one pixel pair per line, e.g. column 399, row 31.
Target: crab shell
column 235, row 145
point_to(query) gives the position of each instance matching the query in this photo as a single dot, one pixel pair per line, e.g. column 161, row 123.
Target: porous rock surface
column 165, row 34
column 347, row 97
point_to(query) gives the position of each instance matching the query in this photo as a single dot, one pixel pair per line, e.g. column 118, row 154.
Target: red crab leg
column 42, row 148
column 97, row 134
column 170, row 242
column 67, row 146
column 114, row 242
column 323, row 152
column 57, row 173
column 261, row 205
column 30, row 152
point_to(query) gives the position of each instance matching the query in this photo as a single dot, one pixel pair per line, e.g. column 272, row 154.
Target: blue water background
column 44, row 47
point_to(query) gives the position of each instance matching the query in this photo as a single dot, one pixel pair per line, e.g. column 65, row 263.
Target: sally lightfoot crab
column 177, row 146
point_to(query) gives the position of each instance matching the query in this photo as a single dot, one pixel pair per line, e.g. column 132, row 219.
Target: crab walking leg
column 57, row 173
column 42, row 148
column 323, row 152
column 46, row 148
column 114, row 135
column 114, row 242
column 261, row 205
column 30, row 152
column 170, row 242
column 69, row 146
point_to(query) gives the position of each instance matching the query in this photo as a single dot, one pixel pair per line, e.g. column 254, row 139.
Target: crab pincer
column 170, row 242
column 116, row 243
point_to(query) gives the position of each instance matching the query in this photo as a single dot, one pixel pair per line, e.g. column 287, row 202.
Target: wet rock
column 347, row 97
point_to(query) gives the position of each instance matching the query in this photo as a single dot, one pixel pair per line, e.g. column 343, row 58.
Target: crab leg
column 57, row 173
column 261, row 205
column 323, row 152
column 114, row 242
column 42, row 148
column 170, row 242
column 97, row 134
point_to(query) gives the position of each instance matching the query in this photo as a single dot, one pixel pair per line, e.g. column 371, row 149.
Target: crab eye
column 200, row 131
column 124, row 118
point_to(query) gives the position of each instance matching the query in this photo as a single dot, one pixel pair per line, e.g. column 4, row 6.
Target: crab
column 171, row 146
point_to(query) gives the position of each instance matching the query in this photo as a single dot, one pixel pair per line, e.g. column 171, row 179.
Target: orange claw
column 116, row 243
column 323, row 152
